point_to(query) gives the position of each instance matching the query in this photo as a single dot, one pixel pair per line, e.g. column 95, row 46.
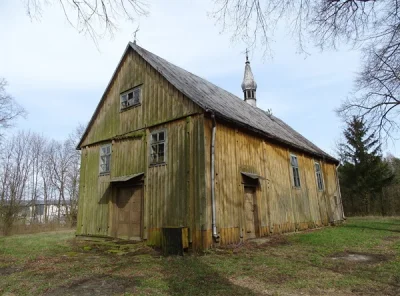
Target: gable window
column 295, row 169
column 131, row 98
column 105, row 157
column 158, row 147
column 318, row 174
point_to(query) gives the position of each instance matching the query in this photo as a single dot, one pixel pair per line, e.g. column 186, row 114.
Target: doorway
column 251, row 212
column 128, row 213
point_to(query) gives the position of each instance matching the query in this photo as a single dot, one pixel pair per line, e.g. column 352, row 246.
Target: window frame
column 158, row 142
column 126, row 93
column 101, row 172
column 295, row 171
column 319, row 174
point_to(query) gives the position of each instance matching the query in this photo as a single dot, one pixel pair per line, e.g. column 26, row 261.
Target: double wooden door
column 128, row 214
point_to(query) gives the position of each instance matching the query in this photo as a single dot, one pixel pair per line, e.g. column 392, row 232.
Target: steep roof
column 228, row 106
column 225, row 105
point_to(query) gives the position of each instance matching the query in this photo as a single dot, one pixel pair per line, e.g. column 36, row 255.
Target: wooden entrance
column 128, row 213
column 251, row 212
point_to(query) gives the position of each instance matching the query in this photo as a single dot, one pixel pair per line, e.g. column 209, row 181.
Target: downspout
column 338, row 188
column 213, row 207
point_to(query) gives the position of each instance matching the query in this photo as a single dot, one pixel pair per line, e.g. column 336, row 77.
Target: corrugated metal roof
column 228, row 106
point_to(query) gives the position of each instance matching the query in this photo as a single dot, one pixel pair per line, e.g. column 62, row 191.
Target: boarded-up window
column 131, row 98
column 158, row 147
column 295, row 169
column 105, row 157
column 318, row 173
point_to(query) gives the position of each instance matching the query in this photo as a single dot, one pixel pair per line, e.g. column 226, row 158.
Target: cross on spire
column 134, row 35
column 247, row 55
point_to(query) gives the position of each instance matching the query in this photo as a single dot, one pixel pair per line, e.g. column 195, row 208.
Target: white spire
column 249, row 85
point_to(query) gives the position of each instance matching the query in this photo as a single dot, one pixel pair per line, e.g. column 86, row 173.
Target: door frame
column 256, row 212
column 114, row 214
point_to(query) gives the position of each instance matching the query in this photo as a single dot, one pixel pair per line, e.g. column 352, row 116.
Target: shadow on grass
column 374, row 228
column 190, row 276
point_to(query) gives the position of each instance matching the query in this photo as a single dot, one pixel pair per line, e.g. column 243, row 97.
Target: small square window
column 158, row 147
column 105, row 158
column 130, row 98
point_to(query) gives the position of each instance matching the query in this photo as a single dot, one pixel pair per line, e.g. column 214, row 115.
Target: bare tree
column 9, row 109
column 15, row 166
column 73, row 173
column 95, row 18
column 371, row 25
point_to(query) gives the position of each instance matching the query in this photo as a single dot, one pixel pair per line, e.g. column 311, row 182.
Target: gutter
column 213, row 205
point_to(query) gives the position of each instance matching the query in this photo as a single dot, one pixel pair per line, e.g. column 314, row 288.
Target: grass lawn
column 361, row 257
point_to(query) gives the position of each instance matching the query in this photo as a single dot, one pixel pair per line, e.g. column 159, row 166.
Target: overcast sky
column 59, row 75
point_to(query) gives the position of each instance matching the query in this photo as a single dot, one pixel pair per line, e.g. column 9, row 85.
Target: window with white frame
column 295, row 169
column 158, row 147
column 318, row 174
column 131, row 98
column 105, row 158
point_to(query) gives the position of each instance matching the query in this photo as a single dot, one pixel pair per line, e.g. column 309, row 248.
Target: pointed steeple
column 249, row 85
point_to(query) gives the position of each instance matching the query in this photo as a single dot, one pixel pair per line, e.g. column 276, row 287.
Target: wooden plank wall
column 94, row 192
column 161, row 102
column 282, row 208
column 175, row 191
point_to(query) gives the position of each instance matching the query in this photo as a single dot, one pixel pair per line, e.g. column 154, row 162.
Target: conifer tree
column 363, row 173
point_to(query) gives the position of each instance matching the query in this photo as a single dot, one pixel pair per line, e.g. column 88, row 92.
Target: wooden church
column 168, row 149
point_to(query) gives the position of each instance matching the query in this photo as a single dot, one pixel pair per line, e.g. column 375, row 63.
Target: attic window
column 105, row 158
column 318, row 174
column 131, row 98
column 295, row 169
column 158, row 149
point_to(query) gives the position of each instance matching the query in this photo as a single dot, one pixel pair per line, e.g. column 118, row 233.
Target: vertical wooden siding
column 160, row 102
column 175, row 190
column 93, row 195
column 282, row 208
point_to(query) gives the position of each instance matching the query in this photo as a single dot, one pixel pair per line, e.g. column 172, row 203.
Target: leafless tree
column 373, row 26
column 73, row 173
column 15, row 166
column 9, row 109
column 95, row 18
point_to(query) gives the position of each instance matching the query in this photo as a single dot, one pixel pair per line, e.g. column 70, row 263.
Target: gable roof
column 224, row 104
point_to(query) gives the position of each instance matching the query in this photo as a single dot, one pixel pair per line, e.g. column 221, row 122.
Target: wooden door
column 251, row 212
column 129, row 213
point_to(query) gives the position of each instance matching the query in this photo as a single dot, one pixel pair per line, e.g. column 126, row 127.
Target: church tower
column 249, row 85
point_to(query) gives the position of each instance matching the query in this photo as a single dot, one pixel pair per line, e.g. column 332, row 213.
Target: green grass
column 58, row 264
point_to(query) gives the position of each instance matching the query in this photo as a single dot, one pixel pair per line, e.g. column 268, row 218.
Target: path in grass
column 361, row 257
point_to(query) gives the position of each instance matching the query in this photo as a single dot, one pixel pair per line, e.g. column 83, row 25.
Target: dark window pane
column 154, row 138
column 130, row 96
column 161, row 136
column 161, row 148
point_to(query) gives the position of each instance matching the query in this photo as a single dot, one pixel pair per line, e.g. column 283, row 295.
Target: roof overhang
column 122, row 179
column 253, row 176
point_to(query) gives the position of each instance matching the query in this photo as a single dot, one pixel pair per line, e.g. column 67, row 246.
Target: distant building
column 166, row 148
column 40, row 211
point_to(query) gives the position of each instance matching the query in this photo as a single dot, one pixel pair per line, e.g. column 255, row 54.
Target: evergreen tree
column 363, row 173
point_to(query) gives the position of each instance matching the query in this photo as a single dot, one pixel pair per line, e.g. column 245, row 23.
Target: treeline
column 370, row 183
column 34, row 168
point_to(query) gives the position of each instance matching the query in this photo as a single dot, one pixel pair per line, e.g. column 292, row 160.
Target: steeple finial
column 249, row 85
